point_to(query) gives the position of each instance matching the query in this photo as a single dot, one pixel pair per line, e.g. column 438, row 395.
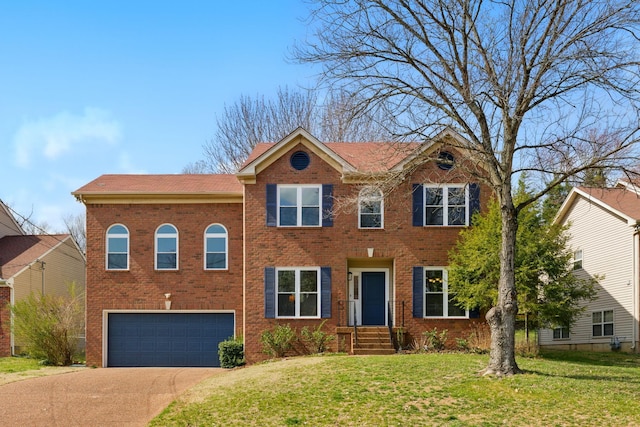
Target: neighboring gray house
column 604, row 224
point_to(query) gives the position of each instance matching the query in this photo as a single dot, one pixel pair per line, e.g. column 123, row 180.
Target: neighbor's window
column 370, row 208
column 438, row 301
column 298, row 292
column 561, row 333
column 577, row 259
column 602, row 323
column 446, row 205
column 117, row 247
column 299, row 205
column 166, row 247
column 215, row 247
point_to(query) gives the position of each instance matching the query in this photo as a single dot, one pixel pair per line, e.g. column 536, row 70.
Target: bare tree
column 254, row 120
column 521, row 81
column 76, row 227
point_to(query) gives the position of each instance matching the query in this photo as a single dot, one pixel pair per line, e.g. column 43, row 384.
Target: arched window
column 216, row 248
column 166, row 247
column 117, row 247
column 370, row 208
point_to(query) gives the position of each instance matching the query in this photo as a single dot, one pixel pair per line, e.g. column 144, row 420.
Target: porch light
column 350, row 276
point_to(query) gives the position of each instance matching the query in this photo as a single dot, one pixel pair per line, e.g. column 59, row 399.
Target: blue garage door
column 167, row 339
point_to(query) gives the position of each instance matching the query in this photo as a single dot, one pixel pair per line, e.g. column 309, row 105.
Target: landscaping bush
column 48, row 326
column 231, row 353
column 316, row 340
column 436, row 340
column 278, row 341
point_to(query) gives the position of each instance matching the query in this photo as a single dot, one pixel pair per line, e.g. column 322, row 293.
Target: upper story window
column 577, row 259
column 215, row 247
column 304, row 205
column 370, row 208
column 299, row 205
column 438, row 302
column 445, row 204
column 166, row 247
column 117, row 247
column 602, row 323
column 298, row 292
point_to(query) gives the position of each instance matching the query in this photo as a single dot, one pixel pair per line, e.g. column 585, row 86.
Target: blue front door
column 373, row 298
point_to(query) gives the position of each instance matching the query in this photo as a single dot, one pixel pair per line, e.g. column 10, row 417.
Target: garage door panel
column 166, row 339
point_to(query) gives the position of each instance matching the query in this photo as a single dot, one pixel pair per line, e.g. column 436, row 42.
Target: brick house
column 298, row 236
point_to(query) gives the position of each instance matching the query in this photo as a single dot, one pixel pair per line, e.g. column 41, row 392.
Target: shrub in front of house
column 231, row 353
column 316, row 340
column 277, row 341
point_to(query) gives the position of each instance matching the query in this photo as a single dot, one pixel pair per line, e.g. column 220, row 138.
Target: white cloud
column 63, row 132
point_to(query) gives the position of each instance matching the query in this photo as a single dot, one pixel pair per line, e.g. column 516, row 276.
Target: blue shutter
column 418, row 291
column 327, row 205
column 325, row 292
column 418, row 205
column 474, row 200
column 272, row 205
column 269, row 292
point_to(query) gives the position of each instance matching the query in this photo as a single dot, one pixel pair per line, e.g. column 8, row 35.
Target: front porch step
column 372, row 340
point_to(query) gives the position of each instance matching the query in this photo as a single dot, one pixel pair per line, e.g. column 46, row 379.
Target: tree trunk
column 502, row 317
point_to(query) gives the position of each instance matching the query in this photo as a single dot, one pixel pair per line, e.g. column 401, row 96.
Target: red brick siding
column 399, row 241
column 143, row 288
column 5, row 322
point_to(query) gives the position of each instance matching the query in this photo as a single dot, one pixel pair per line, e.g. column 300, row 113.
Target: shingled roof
column 18, row 252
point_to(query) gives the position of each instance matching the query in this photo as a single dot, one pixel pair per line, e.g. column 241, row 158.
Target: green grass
column 559, row 389
column 10, row 365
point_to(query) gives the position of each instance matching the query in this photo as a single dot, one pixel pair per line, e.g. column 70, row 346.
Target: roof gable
column 8, row 224
column 266, row 154
column 19, row 252
column 618, row 201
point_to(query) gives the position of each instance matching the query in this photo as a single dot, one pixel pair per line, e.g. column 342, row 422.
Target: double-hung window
column 577, row 259
column 438, row 302
column 602, row 323
column 117, row 248
column 166, row 247
column 370, row 208
column 298, row 292
column 299, row 205
column 215, row 247
column 561, row 333
column 446, row 204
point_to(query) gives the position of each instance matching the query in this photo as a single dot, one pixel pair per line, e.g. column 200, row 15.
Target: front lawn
column 9, row 365
column 560, row 389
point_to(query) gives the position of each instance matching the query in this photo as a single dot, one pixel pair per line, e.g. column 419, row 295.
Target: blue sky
column 88, row 88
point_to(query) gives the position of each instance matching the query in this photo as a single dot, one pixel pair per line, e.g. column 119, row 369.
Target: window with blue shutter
column 418, row 292
column 327, row 205
column 269, row 292
column 272, row 205
column 474, row 199
column 418, row 205
column 325, row 292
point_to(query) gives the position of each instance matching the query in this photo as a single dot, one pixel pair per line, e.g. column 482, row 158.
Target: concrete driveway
column 96, row 397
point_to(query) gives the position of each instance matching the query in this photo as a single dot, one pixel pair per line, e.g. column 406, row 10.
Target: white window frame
column 297, row 292
column 370, row 198
column 117, row 236
column 174, row 235
column 578, row 259
column 560, row 330
column 445, row 204
column 224, row 235
column 602, row 323
column 299, row 206
column 445, row 294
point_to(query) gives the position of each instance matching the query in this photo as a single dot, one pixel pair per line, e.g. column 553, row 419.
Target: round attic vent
column 300, row 160
column 445, row 160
